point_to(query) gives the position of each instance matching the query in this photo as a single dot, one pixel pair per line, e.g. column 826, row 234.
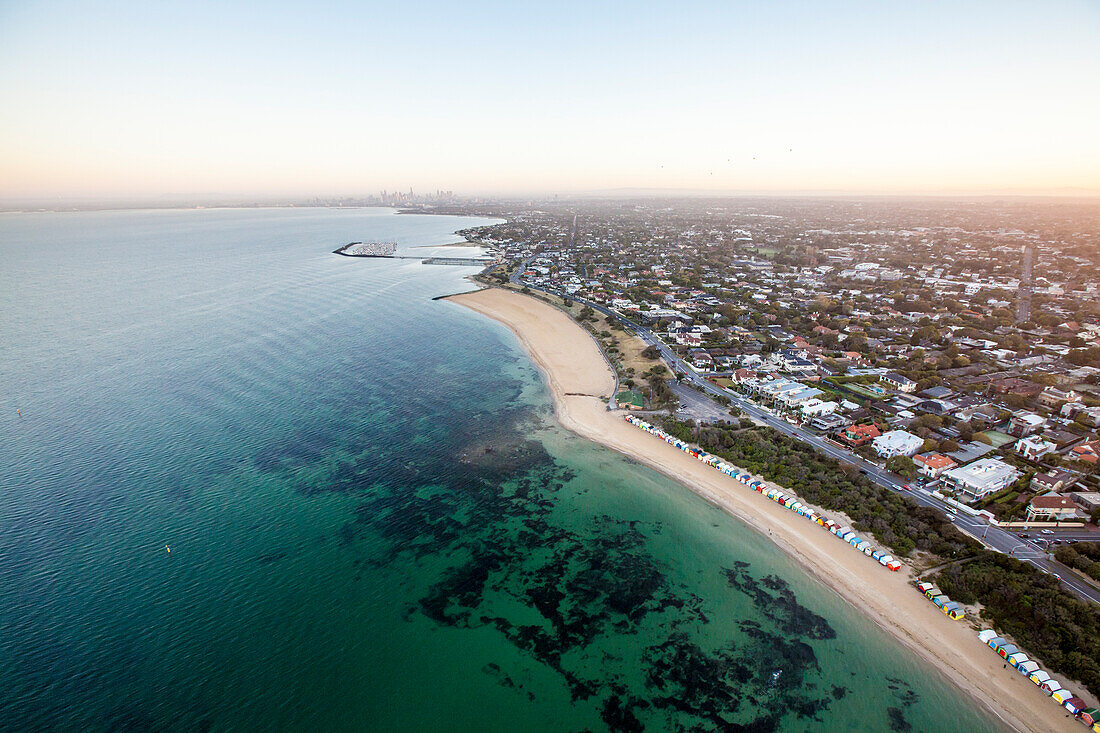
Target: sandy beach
column 581, row 381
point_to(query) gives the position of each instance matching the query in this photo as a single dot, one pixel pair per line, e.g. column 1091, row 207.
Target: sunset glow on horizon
column 128, row 99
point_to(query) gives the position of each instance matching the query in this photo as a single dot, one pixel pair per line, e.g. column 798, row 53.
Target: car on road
column 1023, row 535
column 1048, row 531
column 907, row 487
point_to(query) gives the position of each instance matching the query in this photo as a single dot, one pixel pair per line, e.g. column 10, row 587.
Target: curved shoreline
column 580, row 382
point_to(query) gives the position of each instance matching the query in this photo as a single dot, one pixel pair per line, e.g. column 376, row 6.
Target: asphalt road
column 993, row 537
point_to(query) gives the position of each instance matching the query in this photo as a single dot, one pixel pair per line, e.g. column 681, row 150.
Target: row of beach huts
column 785, row 500
column 1030, row 669
column 950, row 608
column 1011, row 655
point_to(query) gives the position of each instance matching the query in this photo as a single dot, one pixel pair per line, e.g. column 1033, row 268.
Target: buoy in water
column 168, row 548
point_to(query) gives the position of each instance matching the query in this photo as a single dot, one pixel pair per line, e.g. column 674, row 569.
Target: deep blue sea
column 374, row 522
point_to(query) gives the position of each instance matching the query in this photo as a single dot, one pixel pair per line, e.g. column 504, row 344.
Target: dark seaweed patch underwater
column 598, row 609
column 363, row 534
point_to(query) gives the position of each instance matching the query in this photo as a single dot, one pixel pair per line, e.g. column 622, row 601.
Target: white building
column 1025, row 423
column 982, row 477
column 897, row 443
column 1033, row 447
column 817, row 407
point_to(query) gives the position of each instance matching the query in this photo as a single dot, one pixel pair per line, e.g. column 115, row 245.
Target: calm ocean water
column 374, row 522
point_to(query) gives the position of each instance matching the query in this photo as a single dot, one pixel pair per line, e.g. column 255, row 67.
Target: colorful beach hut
column 1007, row 650
column 1075, row 705
column 1062, row 695
column 1026, row 668
column 1038, row 677
column 956, row 614
column 1051, row 685
column 1016, row 659
column 1089, row 716
column 894, row 565
column 984, row 635
column 940, row 601
column 933, row 592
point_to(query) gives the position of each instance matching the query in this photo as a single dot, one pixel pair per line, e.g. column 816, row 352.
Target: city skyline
column 484, row 99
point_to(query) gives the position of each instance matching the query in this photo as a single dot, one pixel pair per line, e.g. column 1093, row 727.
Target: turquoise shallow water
column 374, row 521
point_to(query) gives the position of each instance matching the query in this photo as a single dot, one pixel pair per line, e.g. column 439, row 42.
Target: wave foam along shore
column 581, row 382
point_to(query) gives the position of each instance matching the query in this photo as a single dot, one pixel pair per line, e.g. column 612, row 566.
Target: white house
column 897, row 443
column 1025, row 423
column 982, row 477
column 1033, row 447
column 817, row 407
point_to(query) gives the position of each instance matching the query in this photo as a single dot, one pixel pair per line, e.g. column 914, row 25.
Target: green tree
column 902, row 466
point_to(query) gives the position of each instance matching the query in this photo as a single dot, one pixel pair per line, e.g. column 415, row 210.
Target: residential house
column 1052, row 481
column 897, row 443
column 933, row 464
column 1086, row 452
column 1087, row 500
column 980, row 478
column 1052, row 397
column 828, row 421
column 743, row 375
column 817, row 407
column 1053, row 508
column 795, row 362
column 857, row 435
column 1033, row 447
column 1023, row 424
column 899, row 382
column 700, row 359
column 1077, row 411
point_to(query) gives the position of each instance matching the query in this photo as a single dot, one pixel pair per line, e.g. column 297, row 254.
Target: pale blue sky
column 325, row 98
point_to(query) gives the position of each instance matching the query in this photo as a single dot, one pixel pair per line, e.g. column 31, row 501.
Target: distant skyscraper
column 1023, row 294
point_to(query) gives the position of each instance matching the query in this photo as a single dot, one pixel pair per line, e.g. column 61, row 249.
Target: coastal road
column 993, row 537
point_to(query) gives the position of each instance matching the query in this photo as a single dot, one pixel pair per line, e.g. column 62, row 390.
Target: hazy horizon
column 131, row 102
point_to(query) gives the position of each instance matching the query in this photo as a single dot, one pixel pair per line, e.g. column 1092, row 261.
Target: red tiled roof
column 934, row 460
column 1052, row 502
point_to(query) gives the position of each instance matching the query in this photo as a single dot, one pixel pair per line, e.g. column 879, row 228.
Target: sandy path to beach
column 581, row 381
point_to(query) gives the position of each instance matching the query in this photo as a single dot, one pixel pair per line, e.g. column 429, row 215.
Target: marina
column 388, row 250
column 368, row 249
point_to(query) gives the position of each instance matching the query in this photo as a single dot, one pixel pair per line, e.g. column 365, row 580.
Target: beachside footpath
column 581, row 382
